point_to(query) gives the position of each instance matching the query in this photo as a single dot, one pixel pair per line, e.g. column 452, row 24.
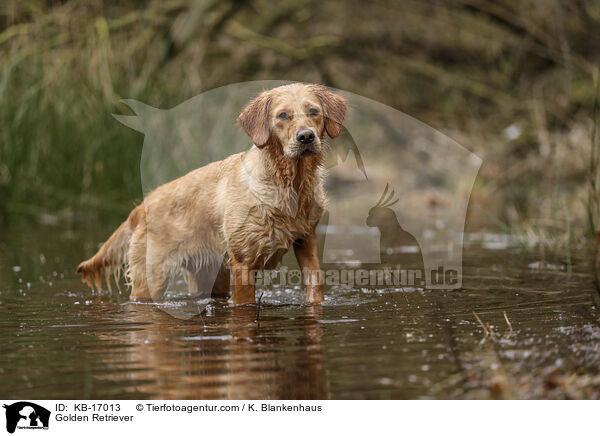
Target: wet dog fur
column 251, row 207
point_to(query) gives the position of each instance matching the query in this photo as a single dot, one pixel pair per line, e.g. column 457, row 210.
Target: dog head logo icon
column 26, row 415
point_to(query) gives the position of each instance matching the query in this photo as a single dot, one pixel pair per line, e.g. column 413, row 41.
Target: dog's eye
column 313, row 111
column 283, row 116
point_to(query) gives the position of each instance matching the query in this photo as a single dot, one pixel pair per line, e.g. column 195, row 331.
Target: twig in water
column 258, row 309
column 485, row 330
column 509, row 325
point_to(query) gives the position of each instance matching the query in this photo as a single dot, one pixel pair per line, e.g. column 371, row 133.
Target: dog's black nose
column 305, row 136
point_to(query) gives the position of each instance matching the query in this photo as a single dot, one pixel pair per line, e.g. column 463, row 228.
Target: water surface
column 537, row 335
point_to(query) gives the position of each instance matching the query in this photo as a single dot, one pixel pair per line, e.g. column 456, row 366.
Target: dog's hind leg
column 158, row 273
column 136, row 271
column 193, row 287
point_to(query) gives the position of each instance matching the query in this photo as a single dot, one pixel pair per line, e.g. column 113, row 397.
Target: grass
column 593, row 205
column 466, row 68
column 60, row 148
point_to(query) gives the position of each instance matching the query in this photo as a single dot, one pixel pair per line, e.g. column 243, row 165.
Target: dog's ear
column 334, row 110
column 254, row 119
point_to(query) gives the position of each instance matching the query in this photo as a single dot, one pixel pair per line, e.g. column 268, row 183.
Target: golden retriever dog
column 251, row 207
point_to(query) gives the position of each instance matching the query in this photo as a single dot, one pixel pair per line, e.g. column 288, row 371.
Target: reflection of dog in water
column 397, row 247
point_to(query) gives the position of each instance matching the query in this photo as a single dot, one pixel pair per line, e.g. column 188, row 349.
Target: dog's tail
column 111, row 255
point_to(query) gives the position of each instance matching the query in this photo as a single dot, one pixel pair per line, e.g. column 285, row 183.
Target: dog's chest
column 283, row 224
column 270, row 229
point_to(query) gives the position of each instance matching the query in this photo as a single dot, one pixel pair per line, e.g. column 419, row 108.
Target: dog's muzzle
column 305, row 136
column 302, row 150
column 305, row 142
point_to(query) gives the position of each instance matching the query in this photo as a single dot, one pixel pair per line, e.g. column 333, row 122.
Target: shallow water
column 60, row 340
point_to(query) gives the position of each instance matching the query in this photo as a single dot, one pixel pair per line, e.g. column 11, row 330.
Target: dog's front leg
column 243, row 283
column 307, row 253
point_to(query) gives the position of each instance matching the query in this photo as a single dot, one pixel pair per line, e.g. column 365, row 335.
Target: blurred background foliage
column 513, row 81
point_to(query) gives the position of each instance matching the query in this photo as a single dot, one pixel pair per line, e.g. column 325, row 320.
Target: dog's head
column 294, row 117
